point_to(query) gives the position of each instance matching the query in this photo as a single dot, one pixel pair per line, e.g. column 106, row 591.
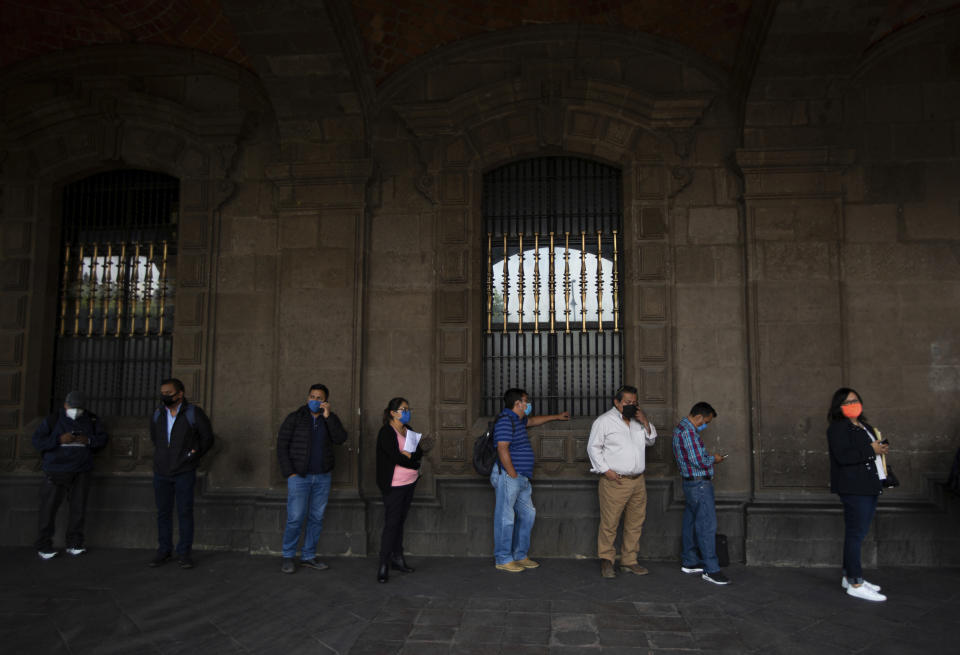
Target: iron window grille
column 552, row 304
column 118, row 262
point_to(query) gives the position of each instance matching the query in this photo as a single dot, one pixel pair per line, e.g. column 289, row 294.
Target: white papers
column 413, row 439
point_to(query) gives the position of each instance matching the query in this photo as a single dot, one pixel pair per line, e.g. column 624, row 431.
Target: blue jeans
column 699, row 526
column 305, row 492
column 513, row 516
column 857, row 514
column 166, row 489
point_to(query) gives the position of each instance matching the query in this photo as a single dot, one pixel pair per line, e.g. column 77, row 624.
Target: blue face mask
column 529, row 409
column 405, row 416
column 701, row 427
column 314, row 406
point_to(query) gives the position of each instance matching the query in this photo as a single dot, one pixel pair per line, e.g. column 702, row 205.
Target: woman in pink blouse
column 397, row 473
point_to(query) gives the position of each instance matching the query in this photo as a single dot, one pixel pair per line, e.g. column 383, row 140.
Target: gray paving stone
column 478, row 634
column 443, row 633
column 110, row 602
column 534, row 620
column 580, row 638
column 671, row 640
column 614, row 637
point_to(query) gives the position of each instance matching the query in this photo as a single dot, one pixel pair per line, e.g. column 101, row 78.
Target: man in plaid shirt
column 699, row 516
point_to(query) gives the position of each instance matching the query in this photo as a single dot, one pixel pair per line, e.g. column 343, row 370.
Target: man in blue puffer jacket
column 67, row 441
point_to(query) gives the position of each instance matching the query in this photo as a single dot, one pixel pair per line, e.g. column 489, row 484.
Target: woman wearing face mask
column 856, row 474
column 397, row 473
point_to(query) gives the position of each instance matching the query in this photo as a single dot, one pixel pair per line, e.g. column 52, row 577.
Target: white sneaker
column 864, row 592
column 76, row 551
column 47, row 554
column 692, row 569
column 868, row 585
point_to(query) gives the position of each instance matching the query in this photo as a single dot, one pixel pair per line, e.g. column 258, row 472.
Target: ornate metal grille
column 114, row 337
column 552, row 296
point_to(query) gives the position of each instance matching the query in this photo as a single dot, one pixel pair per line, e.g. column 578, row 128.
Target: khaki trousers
column 629, row 499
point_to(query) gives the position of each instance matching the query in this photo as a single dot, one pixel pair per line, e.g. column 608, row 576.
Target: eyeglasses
column 850, row 402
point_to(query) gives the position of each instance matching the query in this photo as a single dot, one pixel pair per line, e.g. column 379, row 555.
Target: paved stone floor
column 108, row 601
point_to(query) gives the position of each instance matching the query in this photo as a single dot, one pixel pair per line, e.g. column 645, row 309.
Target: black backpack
column 485, row 450
column 953, row 482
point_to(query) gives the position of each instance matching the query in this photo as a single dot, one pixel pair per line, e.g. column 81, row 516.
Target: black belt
column 707, row 478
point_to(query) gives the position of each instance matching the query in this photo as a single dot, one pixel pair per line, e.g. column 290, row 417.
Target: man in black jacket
column 181, row 434
column 66, row 440
column 305, row 452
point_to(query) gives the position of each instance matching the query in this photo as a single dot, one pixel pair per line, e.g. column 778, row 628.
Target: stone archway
column 112, row 115
column 669, row 143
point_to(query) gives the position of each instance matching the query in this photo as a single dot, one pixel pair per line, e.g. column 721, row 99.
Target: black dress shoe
column 185, row 562
column 383, row 573
column 398, row 563
column 158, row 559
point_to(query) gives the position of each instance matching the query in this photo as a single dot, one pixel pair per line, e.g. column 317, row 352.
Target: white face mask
column 74, row 413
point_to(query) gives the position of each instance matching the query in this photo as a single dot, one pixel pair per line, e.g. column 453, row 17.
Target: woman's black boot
column 383, row 573
column 400, row 564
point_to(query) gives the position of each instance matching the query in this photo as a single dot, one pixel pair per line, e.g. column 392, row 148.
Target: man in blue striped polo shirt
column 514, row 513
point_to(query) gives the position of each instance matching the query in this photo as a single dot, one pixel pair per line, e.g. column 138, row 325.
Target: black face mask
column 629, row 411
column 169, row 401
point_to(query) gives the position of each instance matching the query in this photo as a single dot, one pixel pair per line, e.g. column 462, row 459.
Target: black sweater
column 853, row 467
column 295, row 439
column 388, row 457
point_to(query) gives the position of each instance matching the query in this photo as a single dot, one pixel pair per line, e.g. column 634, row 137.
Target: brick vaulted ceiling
column 393, row 33
column 29, row 28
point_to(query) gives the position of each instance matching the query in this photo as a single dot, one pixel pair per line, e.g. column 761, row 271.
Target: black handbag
column 723, row 553
column 891, row 480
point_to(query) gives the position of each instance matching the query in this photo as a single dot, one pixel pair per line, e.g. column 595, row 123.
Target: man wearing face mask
column 181, row 435
column 617, row 449
column 67, row 441
column 305, row 452
column 699, row 515
column 514, row 512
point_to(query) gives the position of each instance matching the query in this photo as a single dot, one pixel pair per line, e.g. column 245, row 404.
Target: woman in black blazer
column 855, row 475
column 397, row 473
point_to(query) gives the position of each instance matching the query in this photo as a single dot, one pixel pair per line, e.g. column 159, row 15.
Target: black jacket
column 295, row 438
column 191, row 432
column 853, row 467
column 68, row 458
column 388, row 457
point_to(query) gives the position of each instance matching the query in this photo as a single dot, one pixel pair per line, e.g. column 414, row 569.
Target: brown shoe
column 527, row 563
column 606, row 569
column 511, row 567
column 636, row 569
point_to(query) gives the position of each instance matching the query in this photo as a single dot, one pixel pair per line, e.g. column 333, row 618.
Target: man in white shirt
column 617, row 450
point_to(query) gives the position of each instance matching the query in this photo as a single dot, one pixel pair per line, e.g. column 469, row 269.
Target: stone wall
column 776, row 246
column 853, row 214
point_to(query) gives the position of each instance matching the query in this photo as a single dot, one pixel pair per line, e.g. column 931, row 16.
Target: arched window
column 552, row 290
column 118, row 265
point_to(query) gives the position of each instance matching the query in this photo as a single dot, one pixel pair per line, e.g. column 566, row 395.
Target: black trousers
column 75, row 486
column 166, row 490
column 396, row 504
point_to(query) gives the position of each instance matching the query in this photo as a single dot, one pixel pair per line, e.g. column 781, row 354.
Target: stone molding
column 790, row 173
column 587, row 37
